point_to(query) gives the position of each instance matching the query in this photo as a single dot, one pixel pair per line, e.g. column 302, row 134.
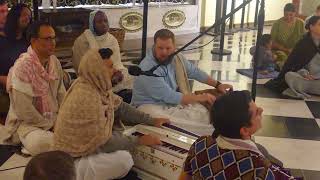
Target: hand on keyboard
column 158, row 122
column 149, row 140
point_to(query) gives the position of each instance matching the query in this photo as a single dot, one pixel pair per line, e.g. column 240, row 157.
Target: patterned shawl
column 86, row 115
column 29, row 76
column 181, row 75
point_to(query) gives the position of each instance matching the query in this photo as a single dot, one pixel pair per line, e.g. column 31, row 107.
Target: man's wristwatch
column 218, row 84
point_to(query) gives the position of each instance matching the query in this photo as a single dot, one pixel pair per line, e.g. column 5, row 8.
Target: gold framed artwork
column 131, row 21
column 173, row 19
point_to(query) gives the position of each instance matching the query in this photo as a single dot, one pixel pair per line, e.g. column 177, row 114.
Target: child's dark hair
column 105, row 53
column 53, row 165
column 230, row 113
column 265, row 39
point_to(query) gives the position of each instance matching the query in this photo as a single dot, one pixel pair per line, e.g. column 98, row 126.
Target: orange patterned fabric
column 28, row 69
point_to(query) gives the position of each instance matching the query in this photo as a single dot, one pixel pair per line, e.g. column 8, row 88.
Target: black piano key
column 137, row 134
column 184, row 152
column 180, row 130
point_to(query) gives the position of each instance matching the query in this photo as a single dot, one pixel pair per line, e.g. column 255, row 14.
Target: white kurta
column 104, row 166
column 193, row 117
column 24, row 123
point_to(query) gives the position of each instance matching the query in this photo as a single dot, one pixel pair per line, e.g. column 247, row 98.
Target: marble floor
column 291, row 128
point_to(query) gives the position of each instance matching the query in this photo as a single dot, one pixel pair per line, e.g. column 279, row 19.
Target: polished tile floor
column 291, row 128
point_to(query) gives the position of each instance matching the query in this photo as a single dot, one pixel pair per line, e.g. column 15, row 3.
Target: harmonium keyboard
column 162, row 161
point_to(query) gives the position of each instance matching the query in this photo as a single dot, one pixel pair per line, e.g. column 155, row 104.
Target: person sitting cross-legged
column 229, row 153
column 89, row 123
column 170, row 94
column 36, row 89
column 52, row 165
column 98, row 36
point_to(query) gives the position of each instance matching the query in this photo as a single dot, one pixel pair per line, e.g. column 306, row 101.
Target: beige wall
column 308, row 7
column 274, row 10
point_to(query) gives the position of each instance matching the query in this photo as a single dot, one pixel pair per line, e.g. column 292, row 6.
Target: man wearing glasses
column 36, row 90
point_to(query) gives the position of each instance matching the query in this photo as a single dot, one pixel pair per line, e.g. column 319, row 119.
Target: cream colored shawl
column 86, row 115
column 181, row 75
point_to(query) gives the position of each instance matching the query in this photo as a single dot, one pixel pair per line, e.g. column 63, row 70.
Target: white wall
column 155, row 14
column 274, row 10
column 308, row 7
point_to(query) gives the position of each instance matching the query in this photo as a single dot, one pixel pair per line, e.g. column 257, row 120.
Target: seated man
column 88, row 122
column 300, row 76
column 53, row 165
column 35, row 87
column 230, row 153
column 97, row 36
column 161, row 95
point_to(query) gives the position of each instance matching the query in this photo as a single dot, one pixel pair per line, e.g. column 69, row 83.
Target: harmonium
column 163, row 161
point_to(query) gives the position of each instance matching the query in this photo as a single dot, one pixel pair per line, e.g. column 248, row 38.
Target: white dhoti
column 194, row 118
column 103, row 166
column 300, row 87
column 36, row 142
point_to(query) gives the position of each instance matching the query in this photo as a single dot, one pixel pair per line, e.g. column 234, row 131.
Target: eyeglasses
column 48, row 38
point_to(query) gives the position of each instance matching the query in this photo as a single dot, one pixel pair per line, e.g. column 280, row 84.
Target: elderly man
column 96, row 37
column 35, row 86
column 169, row 95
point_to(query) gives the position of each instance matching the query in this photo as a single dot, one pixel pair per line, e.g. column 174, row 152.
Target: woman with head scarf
column 88, row 115
column 97, row 36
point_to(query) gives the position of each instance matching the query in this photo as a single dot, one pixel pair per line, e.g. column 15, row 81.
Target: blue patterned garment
column 207, row 161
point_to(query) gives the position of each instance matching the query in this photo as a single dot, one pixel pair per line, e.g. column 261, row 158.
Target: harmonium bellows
column 162, row 161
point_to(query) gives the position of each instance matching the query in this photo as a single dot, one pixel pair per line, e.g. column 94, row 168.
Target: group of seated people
column 86, row 121
column 293, row 52
column 275, row 47
column 229, row 153
column 300, row 75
